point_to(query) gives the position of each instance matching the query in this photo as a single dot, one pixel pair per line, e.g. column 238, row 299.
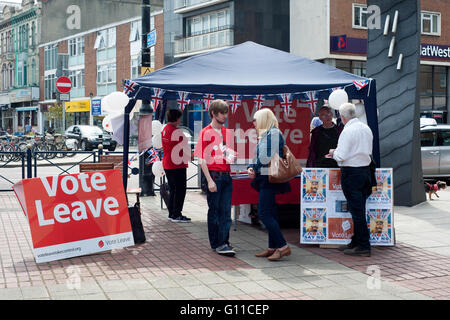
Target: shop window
column 433, row 88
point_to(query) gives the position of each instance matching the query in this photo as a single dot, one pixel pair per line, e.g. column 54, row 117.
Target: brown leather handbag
column 283, row 169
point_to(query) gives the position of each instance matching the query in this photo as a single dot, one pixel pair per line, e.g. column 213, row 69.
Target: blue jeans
column 356, row 185
column 267, row 213
column 219, row 211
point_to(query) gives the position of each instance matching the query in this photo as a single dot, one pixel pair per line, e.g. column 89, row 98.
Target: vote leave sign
column 76, row 214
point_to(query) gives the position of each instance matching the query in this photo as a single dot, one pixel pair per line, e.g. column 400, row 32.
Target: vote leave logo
column 75, row 214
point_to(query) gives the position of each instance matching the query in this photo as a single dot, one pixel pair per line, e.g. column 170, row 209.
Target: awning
column 26, row 109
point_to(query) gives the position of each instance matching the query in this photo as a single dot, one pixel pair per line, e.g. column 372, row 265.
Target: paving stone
column 226, row 289
column 34, row 292
column 201, row 292
column 175, row 294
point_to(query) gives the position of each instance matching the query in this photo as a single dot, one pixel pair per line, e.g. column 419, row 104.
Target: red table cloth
column 243, row 193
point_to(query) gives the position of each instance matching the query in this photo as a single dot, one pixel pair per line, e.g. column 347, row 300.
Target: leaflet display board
column 325, row 218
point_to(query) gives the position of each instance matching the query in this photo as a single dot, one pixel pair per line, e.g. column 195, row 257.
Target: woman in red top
column 175, row 162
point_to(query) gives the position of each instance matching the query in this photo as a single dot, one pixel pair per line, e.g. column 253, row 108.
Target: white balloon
column 115, row 101
column 157, row 169
column 106, row 123
column 156, row 127
column 360, row 110
column 337, row 98
column 157, row 141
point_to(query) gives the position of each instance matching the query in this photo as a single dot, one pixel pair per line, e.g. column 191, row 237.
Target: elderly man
column 353, row 155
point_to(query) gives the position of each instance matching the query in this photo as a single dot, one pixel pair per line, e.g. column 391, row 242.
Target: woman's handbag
column 283, row 169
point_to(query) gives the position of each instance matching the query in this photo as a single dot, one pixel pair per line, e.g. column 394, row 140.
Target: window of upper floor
column 430, row 23
column 105, row 39
column 50, row 57
column 76, row 46
column 210, row 22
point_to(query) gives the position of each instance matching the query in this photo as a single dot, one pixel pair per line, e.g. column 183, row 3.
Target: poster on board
column 325, row 217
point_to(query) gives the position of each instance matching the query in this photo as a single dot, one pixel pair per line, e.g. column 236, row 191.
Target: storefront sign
column 325, row 218
column 77, row 214
column 78, row 106
column 434, row 51
column 96, row 107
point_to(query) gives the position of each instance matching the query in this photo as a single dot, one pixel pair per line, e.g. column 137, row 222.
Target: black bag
column 136, row 224
column 164, row 191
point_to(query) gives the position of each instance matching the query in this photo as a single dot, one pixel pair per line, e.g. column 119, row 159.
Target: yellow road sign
column 146, row 70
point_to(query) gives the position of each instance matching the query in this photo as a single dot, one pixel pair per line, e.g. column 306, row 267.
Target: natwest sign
column 77, row 214
column 434, row 51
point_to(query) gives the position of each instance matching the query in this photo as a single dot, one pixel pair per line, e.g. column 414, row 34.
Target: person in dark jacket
column 271, row 141
column 323, row 138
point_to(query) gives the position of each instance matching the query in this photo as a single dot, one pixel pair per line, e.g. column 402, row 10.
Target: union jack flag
column 129, row 87
column 359, row 84
column 157, row 96
column 311, row 100
column 152, row 156
column 234, row 102
column 259, row 100
column 182, row 101
column 286, row 102
column 207, row 100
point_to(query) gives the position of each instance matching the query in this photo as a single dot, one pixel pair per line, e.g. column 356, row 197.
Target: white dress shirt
column 354, row 145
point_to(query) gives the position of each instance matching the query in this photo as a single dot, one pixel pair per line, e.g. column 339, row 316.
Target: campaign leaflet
column 383, row 192
column 379, row 222
column 314, row 186
column 314, row 225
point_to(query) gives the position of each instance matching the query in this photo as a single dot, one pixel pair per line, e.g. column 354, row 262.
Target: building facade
column 335, row 32
column 19, row 63
column 98, row 61
column 194, row 27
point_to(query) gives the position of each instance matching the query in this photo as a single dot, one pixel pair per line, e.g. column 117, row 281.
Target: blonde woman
column 271, row 141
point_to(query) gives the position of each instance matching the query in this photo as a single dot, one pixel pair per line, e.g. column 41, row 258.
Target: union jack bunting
column 311, row 100
column 259, row 100
column 234, row 102
column 152, row 156
column 183, row 101
column 207, row 100
column 359, row 84
column 157, row 96
column 286, row 102
column 129, row 87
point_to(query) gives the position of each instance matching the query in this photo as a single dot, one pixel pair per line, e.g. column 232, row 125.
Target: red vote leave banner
column 294, row 124
column 76, row 214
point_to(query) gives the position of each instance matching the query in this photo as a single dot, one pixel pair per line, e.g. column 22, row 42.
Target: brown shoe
column 278, row 254
column 266, row 253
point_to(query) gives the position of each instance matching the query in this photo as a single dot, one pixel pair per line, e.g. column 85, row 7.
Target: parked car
column 89, row 137
column 435, row 148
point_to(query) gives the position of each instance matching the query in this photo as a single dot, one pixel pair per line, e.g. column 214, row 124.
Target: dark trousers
column 356, row 185
column 267, row 213
column 176, row 179
column 219, row 210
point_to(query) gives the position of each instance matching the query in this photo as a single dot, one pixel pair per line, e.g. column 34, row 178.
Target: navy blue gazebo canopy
column 251, row 69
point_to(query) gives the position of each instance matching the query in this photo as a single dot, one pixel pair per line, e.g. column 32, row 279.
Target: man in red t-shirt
column 175, row 162
column 215, row 157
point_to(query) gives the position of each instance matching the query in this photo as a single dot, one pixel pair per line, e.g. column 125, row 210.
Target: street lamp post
column 146, row 177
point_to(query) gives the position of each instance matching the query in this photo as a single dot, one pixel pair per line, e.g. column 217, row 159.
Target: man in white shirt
column 353, row 155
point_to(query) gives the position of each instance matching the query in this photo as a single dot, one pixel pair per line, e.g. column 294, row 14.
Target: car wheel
column 112, row 148
column 84, row 146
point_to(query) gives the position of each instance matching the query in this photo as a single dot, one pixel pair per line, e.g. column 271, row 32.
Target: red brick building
column 98, row 61
column 335, row 32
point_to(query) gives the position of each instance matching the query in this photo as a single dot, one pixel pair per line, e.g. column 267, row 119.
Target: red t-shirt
column 175, row 148
column 211, row 147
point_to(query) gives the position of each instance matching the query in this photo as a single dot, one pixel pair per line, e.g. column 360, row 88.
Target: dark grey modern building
column 198, row 26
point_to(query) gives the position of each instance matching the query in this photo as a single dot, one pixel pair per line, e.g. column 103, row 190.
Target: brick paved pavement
column 177, row 263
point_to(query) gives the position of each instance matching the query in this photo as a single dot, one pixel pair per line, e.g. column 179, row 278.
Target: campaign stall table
column 243, row 193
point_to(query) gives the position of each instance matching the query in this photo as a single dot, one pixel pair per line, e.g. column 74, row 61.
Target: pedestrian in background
column 175, row 163
column 270, row 141
column 353, row 155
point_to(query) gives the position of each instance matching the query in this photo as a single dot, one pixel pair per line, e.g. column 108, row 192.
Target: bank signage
column 434, row 51
column 343, row 44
